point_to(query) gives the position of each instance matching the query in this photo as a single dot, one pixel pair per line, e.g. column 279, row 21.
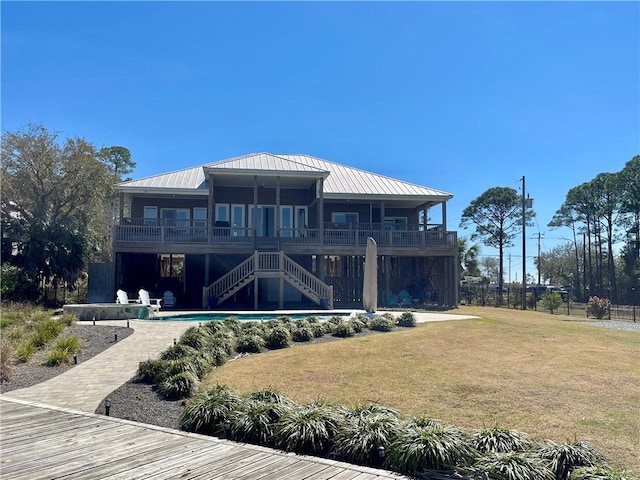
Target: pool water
column 247, row 317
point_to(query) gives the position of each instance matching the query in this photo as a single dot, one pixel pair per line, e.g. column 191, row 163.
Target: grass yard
column 543, row 374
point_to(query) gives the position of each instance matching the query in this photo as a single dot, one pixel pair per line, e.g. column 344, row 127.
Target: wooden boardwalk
column 44, row 442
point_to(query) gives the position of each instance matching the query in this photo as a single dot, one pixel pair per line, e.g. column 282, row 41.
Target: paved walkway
column 84, row 386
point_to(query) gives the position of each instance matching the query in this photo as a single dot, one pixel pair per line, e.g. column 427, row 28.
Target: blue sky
column 458, row 96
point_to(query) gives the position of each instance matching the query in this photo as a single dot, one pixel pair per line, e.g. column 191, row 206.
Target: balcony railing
column 193, row 232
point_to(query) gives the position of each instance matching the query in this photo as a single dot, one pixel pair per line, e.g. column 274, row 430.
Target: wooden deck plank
column 41, row 442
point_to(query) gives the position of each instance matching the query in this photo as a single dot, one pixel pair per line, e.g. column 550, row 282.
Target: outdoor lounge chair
column 154, row 303
column 122, row 297
column 168, row 299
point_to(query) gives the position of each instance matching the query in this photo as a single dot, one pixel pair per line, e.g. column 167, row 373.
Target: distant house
column 282, row 231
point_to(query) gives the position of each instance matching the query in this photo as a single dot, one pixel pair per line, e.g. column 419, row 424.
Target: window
column 344, row 218
column 286, row 220
column 200, row 217
column 237, row 220
column 150, row 216
column 222, row 212
column 395, row 223
column 175, row 217
column 301, row 221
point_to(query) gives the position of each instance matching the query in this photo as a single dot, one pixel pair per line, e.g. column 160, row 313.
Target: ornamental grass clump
column 365, row 429
column 225, row 340
column 277, row 337
column 45, row 331
column 309, row 428
column 178, row 351
column 407, row 319
column 178, row 386
column 565, row 457
column 356, row 324
column 598, row 307
column 195, row 337
column 302, row 333
column 255, row 419
column 62, row 351
column 152, row 371
column 510, row 466
column 250, row 343
column 433, row 446
column 343, row 330
column 232, row 324
column 208, row 410
column 382, row 323
column 503, row 440
column 600, row 472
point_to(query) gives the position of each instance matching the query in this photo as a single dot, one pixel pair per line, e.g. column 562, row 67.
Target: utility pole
column 524, row 249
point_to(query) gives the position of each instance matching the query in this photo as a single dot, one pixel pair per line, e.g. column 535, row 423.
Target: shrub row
column 377, row 436
column 211, row 345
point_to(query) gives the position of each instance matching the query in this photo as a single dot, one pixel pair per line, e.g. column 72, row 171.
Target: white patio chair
column 122, row 297
column 154, row 303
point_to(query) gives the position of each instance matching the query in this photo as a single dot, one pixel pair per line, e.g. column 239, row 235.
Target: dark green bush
column 180, row 350
column 357, row 325
column 343, row 330
column 382, row 324
column 302, row 334
column 207, row 411
column 309, row 428
column 250, row 343
column 255, row 420
column 180, row 385
column 213, row 327
column 364, row 430
column 182, row 365
column 217, row 355
column 407, row 319
column 233, row 324
column 500, row 440
column 510, row 466
column 565, row 457
column 225, row 340
column 195, row 337
column 434, row 446
column 153, row 371
column 277, row 337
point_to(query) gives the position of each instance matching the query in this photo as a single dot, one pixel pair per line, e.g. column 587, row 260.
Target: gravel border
column 94, row 339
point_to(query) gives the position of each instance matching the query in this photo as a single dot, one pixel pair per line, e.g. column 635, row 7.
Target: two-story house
column 282, row 231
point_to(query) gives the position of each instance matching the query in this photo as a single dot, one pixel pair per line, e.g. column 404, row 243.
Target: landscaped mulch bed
column 93, row 340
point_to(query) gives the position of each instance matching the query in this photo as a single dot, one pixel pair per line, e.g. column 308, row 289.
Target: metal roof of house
column 340, row 180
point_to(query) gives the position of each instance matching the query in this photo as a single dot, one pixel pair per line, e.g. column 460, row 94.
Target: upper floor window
column 150, row 216
column 175, row 217
column 395, row 223
column 199, row 217
column 344, row 218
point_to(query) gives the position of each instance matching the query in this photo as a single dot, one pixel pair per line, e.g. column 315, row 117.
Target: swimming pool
column 248, row 316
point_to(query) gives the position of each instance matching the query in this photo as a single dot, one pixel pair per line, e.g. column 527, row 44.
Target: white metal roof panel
column 341, row 180
column 187, row 179
column 264, row 162
column 345, row 180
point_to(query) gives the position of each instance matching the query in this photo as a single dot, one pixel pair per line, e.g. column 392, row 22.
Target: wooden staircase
column 269, row 265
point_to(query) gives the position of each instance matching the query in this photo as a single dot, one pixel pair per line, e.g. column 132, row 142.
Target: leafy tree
column 497, row 216
column 551, row 301
column 55, row 204
column 557, row 265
